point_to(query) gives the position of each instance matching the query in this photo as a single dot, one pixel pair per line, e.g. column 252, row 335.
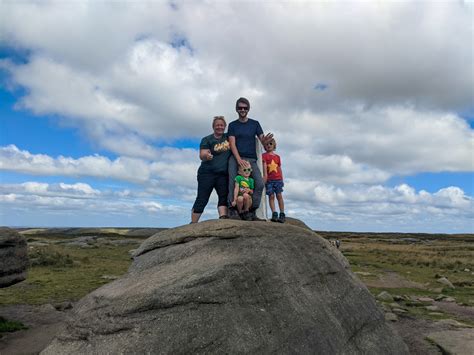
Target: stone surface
column 459, row 342
column 231, row 287
column 385, row 296
column 391, row 317
column 425, row 299
column 13, row 257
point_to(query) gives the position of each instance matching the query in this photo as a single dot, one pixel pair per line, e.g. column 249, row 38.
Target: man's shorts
column 274, row 187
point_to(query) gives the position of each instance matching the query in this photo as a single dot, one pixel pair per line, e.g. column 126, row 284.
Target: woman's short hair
column 242, row 100
column 218, row 118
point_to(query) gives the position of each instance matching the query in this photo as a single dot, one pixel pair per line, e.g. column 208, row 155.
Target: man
column 241, row 136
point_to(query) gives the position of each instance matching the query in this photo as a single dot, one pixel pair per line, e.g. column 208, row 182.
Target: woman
column 214, row 152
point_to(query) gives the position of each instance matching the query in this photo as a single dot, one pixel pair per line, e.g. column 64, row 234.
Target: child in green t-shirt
column 243, row 191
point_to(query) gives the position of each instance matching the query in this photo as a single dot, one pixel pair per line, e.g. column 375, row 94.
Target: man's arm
column 235, row 152
column 264, row 139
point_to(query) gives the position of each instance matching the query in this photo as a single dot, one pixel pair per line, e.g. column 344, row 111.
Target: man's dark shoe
column 246, row 216
column 275, row 217
column 224, row 216
column 282, row 218
column 233, row 213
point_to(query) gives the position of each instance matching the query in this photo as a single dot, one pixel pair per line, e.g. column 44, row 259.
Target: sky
column 103, row 105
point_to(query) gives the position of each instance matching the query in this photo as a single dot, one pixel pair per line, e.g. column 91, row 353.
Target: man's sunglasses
column 242, row 108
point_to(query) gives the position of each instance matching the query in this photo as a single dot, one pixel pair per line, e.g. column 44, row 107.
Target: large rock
column 231, row 287
column 13, row 257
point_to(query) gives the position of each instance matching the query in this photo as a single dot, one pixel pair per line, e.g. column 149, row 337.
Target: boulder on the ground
column 459, row 342
column 13, row 257
column 231, row 287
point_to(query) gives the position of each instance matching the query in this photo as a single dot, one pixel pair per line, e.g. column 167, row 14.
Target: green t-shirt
column 244, row 182
column 220, row 149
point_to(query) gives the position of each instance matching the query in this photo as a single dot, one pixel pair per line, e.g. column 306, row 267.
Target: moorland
column 423, row 282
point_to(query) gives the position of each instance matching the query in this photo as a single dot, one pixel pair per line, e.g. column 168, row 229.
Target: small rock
column 363, row 273
column 109, row 277
column 398, row 298
column 440, row 297
column 399, row 310
column 445, row 281
column 436, row 290
column 435, row 314
column 449, row 299
column 394, row 305
column 432, row 308
column 391, row 317
column 63, row 306
column 467, row 270
column 453, row 323
column 385, row 296
column 425, row 299
column 47, row 308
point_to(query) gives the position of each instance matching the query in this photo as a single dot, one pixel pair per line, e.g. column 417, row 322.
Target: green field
column 405, row 268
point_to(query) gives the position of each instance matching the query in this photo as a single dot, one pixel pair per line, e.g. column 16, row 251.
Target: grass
column 8, row 326
column 60, row 272
column 421, row 263
column 64, row 273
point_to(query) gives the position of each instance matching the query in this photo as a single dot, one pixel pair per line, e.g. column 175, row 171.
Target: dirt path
column 43, row 323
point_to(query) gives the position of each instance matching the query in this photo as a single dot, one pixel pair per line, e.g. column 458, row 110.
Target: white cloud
column 355, row 94
column 173, row 163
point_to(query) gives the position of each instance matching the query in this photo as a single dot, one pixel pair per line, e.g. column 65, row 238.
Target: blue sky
column 100, row 127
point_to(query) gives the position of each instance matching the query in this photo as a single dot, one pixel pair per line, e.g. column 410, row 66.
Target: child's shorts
column 274, row 187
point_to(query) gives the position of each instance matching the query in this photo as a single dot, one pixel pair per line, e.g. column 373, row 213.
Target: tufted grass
column 65, row 273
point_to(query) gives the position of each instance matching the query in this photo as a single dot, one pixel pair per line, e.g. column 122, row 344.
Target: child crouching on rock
column 244, row 186
column 273, row 178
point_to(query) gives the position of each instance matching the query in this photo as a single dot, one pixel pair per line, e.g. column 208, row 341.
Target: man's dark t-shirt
column 245, row 134
column 220, row 149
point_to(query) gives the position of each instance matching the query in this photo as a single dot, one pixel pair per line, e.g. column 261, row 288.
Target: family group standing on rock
column 229, row 165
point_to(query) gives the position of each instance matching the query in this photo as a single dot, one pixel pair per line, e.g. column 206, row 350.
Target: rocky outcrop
column 13, row 257
column 231, row 287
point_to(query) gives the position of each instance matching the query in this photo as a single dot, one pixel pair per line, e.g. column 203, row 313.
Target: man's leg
column 232, row 168
column 259, row 185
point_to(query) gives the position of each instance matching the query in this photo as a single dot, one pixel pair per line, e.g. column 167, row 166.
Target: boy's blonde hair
column 273, row 141
column 218, row 118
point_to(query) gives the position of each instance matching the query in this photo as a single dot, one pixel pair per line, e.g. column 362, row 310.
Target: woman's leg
column 205, row 187
column 222, row 192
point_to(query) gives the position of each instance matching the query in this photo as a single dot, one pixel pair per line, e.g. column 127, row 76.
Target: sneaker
column 224, row 216
column 282, row 218
column 275, row 217
column 234, row 214
column 246, row 216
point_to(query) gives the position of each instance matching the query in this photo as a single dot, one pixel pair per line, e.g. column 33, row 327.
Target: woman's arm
column 205, row 154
